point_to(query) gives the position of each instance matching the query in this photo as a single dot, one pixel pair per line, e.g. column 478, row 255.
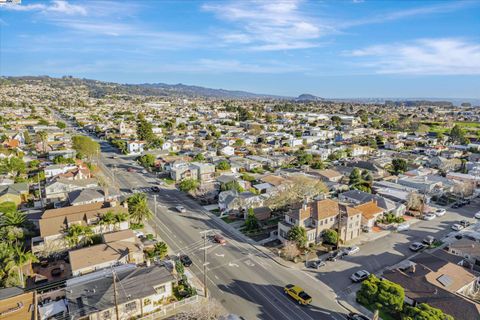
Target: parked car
column 429, row 216
column 351, row 250
column 155, row 189
column 457, row 227
column 359, row 276
column 440, row 212
column 315, row 264
column 139, row 234
column 465, row 223
column 219, row 239
column 336, row 255
column 297, row 294
column 477, row 215
column 417, row 246
column 357, row 316
column 403, row 227
column 131, row 170
column 429, row 240
column 185, row 260
column 181, row 209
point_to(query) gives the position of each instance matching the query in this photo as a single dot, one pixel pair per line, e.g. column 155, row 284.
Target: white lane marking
column 233, row 265
column 249, row 263
column 220, row 255
column 216, row 277
column 203, row 248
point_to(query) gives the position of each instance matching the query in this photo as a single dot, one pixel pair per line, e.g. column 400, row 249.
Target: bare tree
column 463, row 189
column 414, row 201
column 209, row 309
column 290, row 250
column 298, row 188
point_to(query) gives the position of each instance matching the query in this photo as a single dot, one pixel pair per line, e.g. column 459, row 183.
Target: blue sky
column 327, row 48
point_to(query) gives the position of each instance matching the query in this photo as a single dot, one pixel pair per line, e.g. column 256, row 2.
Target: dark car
column 428, row 240
column 357, row 316
column 336, row 255
column 315, row 264
column 465, row 223
column 155, row 189
column 185, row 260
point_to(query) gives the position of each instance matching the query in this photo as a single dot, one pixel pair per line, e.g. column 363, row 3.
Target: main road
column 241, row 277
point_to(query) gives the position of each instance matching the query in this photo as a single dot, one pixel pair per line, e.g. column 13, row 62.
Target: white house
column 228, row 151
column 135, row 147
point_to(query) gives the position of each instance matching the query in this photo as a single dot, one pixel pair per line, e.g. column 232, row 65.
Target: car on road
column 359, row 276
column 315, row 264
column 339, row 254
column 219, row 239
column 465, row 223
column 185, row 260
column 155, row 189
column 139, row 234
column 297, row 294
column 457, row 227
column 357, row 316
column 131, row 170
column 477, row 215
column 181, row 209
column 351, row 250
column 403, row 227
column 144, row 171
column 429, row 216
column 417, row 246
column 440, row 212
column 429, row 240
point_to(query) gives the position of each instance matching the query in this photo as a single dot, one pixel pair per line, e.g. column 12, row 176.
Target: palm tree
column 138, row 208
column 21, row 258
column 42, row 136
column 13, row 218
column 78, row 234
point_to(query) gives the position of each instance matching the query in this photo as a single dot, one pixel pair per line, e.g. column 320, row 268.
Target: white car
column 351, row 250
column 359, row 276
column 457, row 227
column 181, row 209
column 477, row 215
column 139, row 234
column 403, row 227
column 429, row 216
column 440, row 212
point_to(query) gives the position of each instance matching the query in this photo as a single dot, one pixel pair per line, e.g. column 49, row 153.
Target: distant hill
column 99, row 89
column 307, row 97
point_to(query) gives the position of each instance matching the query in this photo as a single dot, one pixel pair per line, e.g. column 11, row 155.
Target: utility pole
column 39, row 188
column 115, row 294
column 205, row 263
column 155, row 204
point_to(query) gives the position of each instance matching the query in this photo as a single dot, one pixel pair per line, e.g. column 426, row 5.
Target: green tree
column 303, row 158
column 298, row 234
column 12, row 166
column 336, row 120
column 147, row 160
column 199, row 157
column 179, row 267
column 318, row 165
column 187, row 185
column 144, row 130
column 399, row 166
column 355, row 177
column 239, row 143
column 330, row 236
column 13, row 218
column 457, row 134
column 61, row 124
column 231, row 185
column 160, row 250
column 8, row 207
column 86, row 146
column 381, row 294
column 138, row 208
column 19, row 259
column 423, row 311
column 223, row 165
column 251, row 222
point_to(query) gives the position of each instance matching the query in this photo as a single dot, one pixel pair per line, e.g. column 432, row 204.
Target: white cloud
column 447, row 56
column 265, row 25
column 55, row 7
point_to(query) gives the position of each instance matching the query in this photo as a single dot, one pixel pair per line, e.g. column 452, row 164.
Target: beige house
column 119, row 247
column 54, row 223
column 318, row 216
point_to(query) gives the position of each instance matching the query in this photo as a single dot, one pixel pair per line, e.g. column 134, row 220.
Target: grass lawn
column 168, row 181
column 227, row 219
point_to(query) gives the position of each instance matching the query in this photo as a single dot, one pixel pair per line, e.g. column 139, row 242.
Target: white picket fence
column 169, row 308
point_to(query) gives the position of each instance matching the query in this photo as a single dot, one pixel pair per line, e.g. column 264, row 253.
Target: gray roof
column 97, row 294
column 16, row 188
column 364, row 197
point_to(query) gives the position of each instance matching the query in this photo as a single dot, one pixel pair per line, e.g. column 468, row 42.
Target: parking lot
column 378, row 254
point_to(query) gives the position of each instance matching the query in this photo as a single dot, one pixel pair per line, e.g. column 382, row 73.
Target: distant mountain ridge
column 308, row 97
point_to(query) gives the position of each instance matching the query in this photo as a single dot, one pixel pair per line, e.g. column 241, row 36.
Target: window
column 160, row 289
column 131, row 306
column 331, row 219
